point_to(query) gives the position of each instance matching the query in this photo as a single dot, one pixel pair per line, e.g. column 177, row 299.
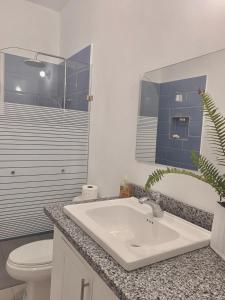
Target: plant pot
column 218, row 231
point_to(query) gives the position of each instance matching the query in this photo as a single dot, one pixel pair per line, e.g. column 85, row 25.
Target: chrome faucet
column 156, row 209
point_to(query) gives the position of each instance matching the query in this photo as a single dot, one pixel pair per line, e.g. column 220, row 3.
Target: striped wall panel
column 146, row 139
column 43, row 159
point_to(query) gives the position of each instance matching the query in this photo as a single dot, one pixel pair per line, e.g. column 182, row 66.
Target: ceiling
column 56, row 5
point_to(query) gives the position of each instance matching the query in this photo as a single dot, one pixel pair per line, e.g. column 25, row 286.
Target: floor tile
column 5, row 280
column 7, row 294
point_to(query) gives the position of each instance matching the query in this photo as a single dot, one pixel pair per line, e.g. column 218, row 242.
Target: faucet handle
column 147, row 200
column 156, row 197
column 142, row 200
column 156, row 209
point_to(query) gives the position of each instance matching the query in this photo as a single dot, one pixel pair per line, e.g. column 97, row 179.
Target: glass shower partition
column 43, row 140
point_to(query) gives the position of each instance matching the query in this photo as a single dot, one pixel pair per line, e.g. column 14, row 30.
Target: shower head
column 35, row 62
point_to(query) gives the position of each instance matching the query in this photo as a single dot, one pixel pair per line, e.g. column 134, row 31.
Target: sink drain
column 135, row 245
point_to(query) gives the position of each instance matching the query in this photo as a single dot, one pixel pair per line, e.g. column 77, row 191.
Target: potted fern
column 208, row 172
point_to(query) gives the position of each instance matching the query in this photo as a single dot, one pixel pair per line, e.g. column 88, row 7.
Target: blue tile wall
column 78, row 78
column 49, row 91
column 183, row 86
column 149, row 103
column 34, row 89
column 177, row 152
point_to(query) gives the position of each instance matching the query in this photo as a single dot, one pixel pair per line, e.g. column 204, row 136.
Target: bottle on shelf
column 125, row 188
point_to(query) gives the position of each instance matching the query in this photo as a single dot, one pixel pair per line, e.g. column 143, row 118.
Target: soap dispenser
column 125, row 188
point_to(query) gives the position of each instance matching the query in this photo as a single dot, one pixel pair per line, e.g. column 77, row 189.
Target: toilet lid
column 36, row 253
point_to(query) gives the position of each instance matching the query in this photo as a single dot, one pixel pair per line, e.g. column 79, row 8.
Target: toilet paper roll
column 89, row 192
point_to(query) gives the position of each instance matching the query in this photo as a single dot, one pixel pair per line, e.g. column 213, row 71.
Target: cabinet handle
column 83, row 286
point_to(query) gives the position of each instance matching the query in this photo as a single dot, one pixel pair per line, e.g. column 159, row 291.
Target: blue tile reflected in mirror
column 181, row 106
column 170, row 117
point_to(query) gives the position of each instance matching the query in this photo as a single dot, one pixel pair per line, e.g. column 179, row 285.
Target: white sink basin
column 129, row 233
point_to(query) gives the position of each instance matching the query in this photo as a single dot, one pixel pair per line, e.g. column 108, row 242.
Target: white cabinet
column 77, row 281
column 72, row 277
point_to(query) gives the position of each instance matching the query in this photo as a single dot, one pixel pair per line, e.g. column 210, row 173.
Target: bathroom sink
column 129, row 233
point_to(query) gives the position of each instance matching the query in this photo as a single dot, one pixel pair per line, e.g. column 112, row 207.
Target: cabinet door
column 101, row 291
column 77, row 280
column 72, row 277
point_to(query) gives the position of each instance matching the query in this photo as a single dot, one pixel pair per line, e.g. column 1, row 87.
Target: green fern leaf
column 208, row 172
column 217, row 127
column 158, row 174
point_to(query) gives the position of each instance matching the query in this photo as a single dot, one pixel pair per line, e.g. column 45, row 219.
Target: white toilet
column 32, row 263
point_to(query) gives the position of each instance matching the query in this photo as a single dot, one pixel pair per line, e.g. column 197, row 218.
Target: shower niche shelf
column 179, row 127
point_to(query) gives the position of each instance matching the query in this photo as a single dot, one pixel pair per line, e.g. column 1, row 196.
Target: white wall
column 131, row 37
column 28, row 25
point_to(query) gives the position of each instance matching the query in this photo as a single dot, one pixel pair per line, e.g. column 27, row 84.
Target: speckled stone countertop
column 197, row 275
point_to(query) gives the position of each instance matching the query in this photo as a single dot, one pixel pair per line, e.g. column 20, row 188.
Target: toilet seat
column 31, row 262
column 36, row 254
column 30, row 267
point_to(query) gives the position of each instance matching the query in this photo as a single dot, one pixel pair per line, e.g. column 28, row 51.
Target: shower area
column 44, row 130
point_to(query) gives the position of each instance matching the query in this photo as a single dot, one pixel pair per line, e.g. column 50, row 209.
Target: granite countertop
column 197, row 275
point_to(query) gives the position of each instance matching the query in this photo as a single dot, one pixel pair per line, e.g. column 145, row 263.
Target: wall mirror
column 170, row 118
